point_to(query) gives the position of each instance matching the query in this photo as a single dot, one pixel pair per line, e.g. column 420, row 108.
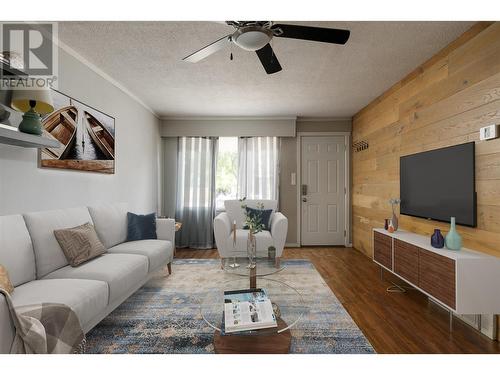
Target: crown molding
column 104, row 75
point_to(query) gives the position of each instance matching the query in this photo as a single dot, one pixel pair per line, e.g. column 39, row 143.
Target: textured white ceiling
column 317, row 80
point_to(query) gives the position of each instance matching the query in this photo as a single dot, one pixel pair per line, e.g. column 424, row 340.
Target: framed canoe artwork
column 87, row 137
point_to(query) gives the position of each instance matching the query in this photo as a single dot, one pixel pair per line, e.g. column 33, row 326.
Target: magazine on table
column 248, row 309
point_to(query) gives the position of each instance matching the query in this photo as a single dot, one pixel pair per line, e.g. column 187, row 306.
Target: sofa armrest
column 279, row 229
column 7, row 330
column 222, row 230
column 165, row 229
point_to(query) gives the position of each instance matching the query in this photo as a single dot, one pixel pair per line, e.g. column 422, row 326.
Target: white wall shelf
column 12, row 136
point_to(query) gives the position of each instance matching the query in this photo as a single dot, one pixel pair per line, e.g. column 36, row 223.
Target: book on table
column 246, row 310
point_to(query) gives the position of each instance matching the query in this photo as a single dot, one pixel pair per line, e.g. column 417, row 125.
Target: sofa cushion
column 263, row 216
column 262, row 240
column 122, row 272
column 41, row 225
column 110, row 221
column 141, row 227
column 79, row 244
column 87, row 298
column 236, row 213
column 158, row 252
column 16, row 250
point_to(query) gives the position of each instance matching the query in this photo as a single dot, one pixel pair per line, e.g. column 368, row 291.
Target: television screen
column 439, row 184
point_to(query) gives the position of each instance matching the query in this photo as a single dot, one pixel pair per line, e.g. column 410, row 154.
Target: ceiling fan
column 256, row 35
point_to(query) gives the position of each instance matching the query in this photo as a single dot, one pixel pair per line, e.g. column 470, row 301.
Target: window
column 226, row 178
column 246, row 167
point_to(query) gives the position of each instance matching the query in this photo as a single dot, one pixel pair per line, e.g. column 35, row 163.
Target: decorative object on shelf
column 390, row 228
column 394, row 218
column 437, row 239
column 453, row 239
column 271, row 252
column 234, row 264
column 386, row 224
column 33, row 103
column 87, row 135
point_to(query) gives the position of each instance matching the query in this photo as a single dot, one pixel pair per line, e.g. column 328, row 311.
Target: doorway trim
column 347, row 179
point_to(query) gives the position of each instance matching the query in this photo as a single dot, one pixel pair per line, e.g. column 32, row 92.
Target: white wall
column 25, row 187
column 235, row 127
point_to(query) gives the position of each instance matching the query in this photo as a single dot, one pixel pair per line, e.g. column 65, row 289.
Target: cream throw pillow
column 80, row 243
column 5, row 283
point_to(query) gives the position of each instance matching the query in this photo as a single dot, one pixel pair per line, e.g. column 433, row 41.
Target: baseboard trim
column 293, row 244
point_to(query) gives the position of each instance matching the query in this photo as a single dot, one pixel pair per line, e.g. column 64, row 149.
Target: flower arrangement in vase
column 394, row 219
column 254, row 225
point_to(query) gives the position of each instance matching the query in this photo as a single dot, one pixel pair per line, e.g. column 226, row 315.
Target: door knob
column 304, row 199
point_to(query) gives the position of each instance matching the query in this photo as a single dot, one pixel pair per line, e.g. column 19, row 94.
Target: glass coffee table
column 288, row 306
column 263, row 267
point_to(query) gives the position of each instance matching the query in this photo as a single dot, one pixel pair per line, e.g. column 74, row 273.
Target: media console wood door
column 464, row 281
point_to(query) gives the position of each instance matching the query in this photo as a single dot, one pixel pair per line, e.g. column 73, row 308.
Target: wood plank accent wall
column 444, row 102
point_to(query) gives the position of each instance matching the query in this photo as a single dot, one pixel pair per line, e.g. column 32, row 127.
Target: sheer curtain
column 195, row 205
column 258, row 167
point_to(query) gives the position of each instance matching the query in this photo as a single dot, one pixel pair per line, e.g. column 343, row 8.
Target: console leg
column 451, row 321
column 169, row 267
column 277, row 262
column 221, row 263
column 479, row 322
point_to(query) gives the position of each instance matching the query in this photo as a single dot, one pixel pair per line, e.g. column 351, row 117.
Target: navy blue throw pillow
column 141, row 227
column 265, row 217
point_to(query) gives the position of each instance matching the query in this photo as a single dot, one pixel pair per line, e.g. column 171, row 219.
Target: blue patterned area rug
column 164, row 315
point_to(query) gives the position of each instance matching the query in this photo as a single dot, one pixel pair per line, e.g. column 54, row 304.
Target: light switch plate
column 293, row 181
column 488, row 132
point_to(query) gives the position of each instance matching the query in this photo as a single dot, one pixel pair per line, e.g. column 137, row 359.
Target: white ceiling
column 317, row 80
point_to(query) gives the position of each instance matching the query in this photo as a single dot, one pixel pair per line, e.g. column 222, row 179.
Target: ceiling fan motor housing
column 252, row 38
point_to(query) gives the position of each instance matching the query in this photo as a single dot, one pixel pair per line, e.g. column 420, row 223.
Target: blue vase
column 437, row 239
column 453, row 239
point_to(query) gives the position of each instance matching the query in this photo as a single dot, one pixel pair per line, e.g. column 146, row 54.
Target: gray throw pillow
column 141, row 227
column 79, row 244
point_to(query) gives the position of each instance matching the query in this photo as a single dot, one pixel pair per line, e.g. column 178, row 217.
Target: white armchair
column 223, row 224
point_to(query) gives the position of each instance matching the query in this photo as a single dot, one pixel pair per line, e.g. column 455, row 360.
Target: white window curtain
column 195, row 202
column 258, row 167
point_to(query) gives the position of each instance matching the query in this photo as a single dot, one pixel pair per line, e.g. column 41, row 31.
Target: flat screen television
column 439, row 184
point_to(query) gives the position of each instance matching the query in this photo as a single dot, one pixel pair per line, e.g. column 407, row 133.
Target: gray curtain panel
column 195, row 205
column 258, row 167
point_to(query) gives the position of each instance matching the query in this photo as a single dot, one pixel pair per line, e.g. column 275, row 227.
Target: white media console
column 463, row 281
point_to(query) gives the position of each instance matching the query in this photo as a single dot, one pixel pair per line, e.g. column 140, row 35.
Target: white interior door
column 323, row 190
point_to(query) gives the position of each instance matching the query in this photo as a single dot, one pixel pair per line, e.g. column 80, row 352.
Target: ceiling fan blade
column 316, row 34
column 268, row 59
column 208, row 50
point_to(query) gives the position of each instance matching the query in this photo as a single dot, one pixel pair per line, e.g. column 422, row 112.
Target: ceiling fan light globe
column 252, row 40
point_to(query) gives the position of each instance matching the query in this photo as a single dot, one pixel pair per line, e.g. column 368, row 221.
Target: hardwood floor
column 392, row 322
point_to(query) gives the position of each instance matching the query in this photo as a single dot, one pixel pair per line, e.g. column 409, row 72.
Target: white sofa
column 40, row 272
column 223, row 224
